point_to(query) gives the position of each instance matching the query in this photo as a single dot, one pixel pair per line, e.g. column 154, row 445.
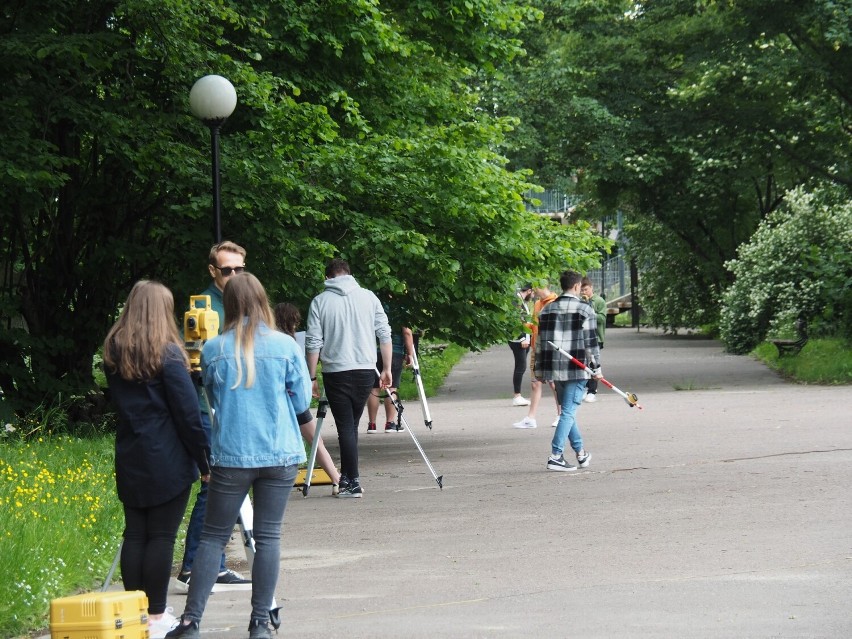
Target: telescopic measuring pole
column 111, row 572
column 418, row 379
column 630, row 398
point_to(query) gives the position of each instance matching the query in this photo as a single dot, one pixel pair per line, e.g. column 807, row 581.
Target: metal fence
column 612, row 279
column 552, row 201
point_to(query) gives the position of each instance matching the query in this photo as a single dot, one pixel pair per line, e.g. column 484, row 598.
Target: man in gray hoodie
column 344, row 322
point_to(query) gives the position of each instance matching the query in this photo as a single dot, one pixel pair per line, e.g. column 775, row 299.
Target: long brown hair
column 246, row 306
column 136, row 344
column 288, row 318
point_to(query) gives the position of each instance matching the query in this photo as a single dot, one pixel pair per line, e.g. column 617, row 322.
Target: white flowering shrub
column 798, row 261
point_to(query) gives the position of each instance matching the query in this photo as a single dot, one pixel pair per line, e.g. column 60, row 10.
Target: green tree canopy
column 360, row 132
column 693, row 118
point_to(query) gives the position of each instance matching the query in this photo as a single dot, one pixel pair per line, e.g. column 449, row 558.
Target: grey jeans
column 271, row 488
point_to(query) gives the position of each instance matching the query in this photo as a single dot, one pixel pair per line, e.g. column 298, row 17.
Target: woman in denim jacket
column 257, row 382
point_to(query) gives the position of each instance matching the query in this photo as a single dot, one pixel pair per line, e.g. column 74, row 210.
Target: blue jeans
column 347, row 393
column 570, row 396
column 196, row 519
column 271, row 487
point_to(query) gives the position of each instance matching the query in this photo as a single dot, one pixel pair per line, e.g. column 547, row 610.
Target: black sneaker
column 259, row 630
column 186, row 630
column 583, row 460
column 371, row 428
column 352, row 489
column 559, row 463
column 230, row 580
column 393, row 427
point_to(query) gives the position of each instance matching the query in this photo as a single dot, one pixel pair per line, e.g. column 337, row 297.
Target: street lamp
column 212, row 99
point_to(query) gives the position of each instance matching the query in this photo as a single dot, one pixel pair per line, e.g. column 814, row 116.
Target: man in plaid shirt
column 570, row 323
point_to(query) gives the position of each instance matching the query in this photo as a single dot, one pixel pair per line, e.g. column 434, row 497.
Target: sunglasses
column 227, row 270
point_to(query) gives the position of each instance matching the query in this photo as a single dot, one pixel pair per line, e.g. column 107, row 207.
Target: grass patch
column 60, row 518
column 821, row 361
column 689, row 385
column 625, row 319
column 60, row 524
column 435, row 365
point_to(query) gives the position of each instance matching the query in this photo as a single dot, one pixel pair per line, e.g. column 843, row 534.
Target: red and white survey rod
column 630, row 398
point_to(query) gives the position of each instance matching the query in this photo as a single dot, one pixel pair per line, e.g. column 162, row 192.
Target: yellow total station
column 200, row 323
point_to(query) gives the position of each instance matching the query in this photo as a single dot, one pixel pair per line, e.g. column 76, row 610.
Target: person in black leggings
column 520, row 347
column 160, row 446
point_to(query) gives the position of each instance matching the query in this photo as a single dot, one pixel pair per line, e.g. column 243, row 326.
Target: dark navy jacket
column 160, row 446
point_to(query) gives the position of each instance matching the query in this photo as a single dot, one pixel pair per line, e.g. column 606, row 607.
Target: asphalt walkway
column 722, row 509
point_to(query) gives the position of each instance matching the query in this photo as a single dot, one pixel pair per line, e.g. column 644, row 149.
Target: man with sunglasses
column 226, row 260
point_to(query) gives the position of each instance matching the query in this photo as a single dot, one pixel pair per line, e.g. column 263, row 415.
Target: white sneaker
column 520, row 401
column 157, row 628
column 526, row 422
column 555, row 422
column 590, row 398
column 559, row 464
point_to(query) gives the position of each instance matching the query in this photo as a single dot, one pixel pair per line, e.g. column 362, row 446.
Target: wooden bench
column 793, row 346
column 613, row 311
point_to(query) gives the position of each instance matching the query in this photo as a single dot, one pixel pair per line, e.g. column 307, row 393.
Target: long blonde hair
column 246, row 306
column 136, row 344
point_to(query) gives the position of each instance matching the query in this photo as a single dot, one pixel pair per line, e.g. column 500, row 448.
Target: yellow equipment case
column 319, row 476
column 115, row 614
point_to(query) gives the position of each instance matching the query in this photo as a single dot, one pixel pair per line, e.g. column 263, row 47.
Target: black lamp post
column 212, row 99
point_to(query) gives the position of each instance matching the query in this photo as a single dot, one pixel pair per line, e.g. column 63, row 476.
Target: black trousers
column 592, row 384
column 347, row 393
column 148, row 549
column 521, row 356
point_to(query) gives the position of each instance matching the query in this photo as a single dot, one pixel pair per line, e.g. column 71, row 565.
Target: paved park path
column 720, row 510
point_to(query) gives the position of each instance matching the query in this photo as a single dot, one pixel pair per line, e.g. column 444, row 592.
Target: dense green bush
column 676, row 290
column 798, row 261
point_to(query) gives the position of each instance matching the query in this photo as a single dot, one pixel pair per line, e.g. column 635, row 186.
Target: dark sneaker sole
column 187, row 632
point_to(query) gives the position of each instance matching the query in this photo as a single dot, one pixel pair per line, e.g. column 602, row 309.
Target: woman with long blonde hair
column 160, row 447
column 257, row 381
